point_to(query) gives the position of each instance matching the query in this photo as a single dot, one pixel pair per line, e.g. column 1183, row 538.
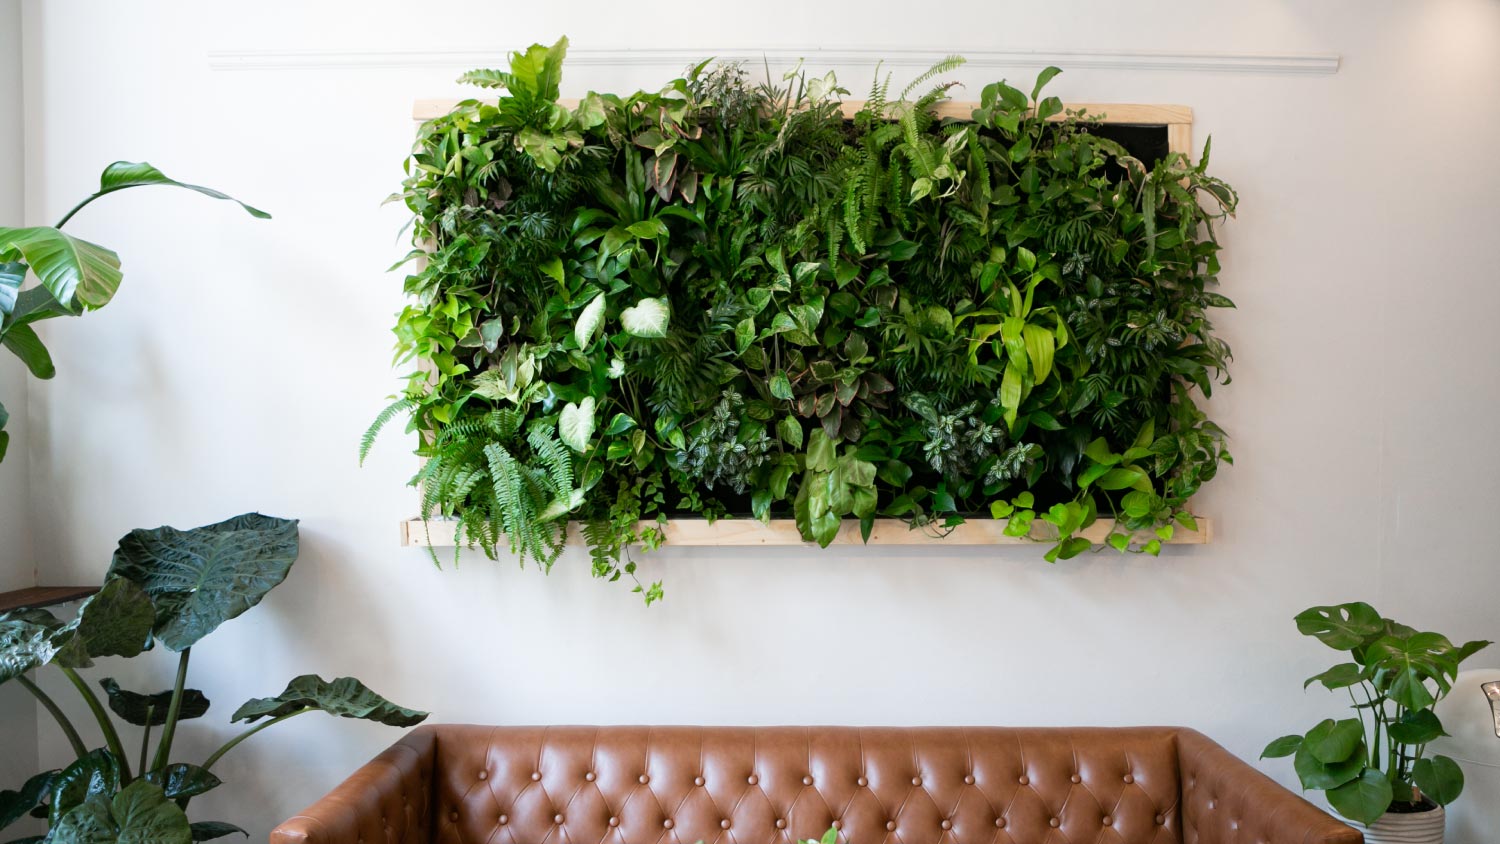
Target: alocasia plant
column 171, row 587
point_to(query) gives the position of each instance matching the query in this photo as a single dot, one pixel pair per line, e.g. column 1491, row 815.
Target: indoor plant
column 1374, row 767
column 173, row 587
column 728, row 298
column 74, row 275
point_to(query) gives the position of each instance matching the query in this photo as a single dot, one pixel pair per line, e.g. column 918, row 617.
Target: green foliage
column 172, row 586
column 1376, row 760
column 74, row 275
column 777, row 309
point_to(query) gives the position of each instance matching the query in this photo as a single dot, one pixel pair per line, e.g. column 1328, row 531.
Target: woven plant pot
column 1407, row 828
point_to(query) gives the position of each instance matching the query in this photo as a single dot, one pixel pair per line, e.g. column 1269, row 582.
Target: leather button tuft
column 890, row 826
column 1129, row 779
column 917, row 781
column 589, row 777
column 536, row 776
column 861, row 782
column 1160, row 819
column 1000, row 823
column 946, row 824
column 698, row 781
column 666, row 824
column 484, row 775
column 1024, row 780
column 452, row 816
column 969, row 778
column 1106, row 820
column 614, row 821
column 557, row 819
column 504, row 819
column 752, row 779
column 780, row 823
column 643, row 779
column 1076, row 779
column 1054, row 823
column 807, row 780
column 724, row 824
column 838, row 824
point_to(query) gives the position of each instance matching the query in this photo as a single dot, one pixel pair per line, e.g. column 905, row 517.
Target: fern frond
column 382, row 419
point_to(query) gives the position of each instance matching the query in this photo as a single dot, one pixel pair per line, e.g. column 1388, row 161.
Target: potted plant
column 172, row 587
column 1374, row 767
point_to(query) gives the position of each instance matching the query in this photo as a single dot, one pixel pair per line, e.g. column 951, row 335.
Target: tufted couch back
column 456, row 784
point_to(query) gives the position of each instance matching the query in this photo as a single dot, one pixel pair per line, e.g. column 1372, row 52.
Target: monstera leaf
column 143, row 710
column 136, row 174
column 1343, row 627
column 15, row 805
column 203, row 577
column 139, row 814
column 72, row 269
column 345, row 697
column 26, row 641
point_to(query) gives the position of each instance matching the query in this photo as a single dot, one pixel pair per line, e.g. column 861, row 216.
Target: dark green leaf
column 1343, row 627
column 69, row 268
column 139, row 709
column 1334, row 741
column 1284, row 746
column 23, row 341
column 26, row 642
column 97, row 774
column 345, row 697
column 181, row 780
column 139, row 814
column 209, row 830
column 1323, row 775
column 1364, row 798
column 1340, row 676
column 1439, row 777
column 203, row 577
column 1418, row 727
column 135, row 174
column 15, row 805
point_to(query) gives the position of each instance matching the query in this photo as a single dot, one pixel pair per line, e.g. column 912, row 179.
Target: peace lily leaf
column 1439, row 778
column 590, row 321
column 181, row 780
column 209, row 830
column 1364, row 798
column 203, row 577
column 141, row 710
column 96, row 774
column 69, row 268
column 23, row 341
column 345, row 697
column 12, row 273
column 1342, row 627
column 575, row 426
column 136, row 174
column 139, row 814
column 647, row 318
column 15, row 805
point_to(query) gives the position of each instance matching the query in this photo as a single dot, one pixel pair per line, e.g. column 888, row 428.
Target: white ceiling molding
column 676, row 59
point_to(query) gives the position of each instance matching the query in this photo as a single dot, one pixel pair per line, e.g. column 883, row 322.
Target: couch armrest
column 1225, row 799
column 387, row 800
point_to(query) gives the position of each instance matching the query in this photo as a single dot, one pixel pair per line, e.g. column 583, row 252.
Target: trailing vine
column 724, row 298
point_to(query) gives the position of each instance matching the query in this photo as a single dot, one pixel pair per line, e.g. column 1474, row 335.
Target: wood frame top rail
column 747, row 533
column 1131, row 113
column 35, row 597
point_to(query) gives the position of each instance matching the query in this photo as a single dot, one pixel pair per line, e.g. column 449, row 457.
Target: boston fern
column 726, row 298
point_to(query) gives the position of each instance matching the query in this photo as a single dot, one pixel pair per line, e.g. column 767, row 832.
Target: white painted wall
column 18, row 746
column 242, row 359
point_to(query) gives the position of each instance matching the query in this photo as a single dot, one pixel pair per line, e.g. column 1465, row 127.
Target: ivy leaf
column 575, row 425
column 345, row 697
column 647, row 318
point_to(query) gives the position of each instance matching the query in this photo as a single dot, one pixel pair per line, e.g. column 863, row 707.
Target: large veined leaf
column 575, row 424
column 142, row 710
column 180, row 780
column 1334, row 741
column 26, row 642
column 1343, row 627
column 95, row 774
column 115, row 621
column 647, row 318
column 209, row 830
column 15, row 805
column 12, row 273
column 345, row 697
column 139, row 814
column 203, row 577
column 72, row 270
column 135, row 174
column 23, row 342
column 1407, row 664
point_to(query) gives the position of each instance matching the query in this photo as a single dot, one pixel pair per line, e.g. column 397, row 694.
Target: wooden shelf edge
column 749, row 533
column 35, row 597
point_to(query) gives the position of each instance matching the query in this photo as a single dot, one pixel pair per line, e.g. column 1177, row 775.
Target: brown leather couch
column 455, row 784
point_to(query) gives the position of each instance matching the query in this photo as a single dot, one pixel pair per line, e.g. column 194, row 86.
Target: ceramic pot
column 1409, row 828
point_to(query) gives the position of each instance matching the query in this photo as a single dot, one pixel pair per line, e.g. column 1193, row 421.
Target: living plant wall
column 728, row 298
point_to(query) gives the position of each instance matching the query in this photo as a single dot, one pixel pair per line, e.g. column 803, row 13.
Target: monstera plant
column 74, row 275
column 171, row 587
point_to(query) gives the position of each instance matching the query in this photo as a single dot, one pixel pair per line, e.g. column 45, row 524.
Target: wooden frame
column 697, row 532
column 1177, row 118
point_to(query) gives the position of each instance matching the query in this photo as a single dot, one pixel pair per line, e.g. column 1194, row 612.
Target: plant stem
column 111, row 736
column 169, row 730
column 230, row 745
column 79, row 207
column 79, row 749
column 146, row 738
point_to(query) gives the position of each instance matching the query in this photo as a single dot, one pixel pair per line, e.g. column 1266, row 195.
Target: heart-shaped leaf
column 1418, row 727
column 141, row 710
column 575, row 425
column 139, row 814
column 1315, row 773
column 1364, row 798
column 203, row 577
column 1343, row 627
column 1334, row 741
column 1439, row 778
column 135, row 174
column 70, row 268
column 647, row 318
column 345, row 697
column 95, row 774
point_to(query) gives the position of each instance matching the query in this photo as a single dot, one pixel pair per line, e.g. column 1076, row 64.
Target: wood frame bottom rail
column 749, row 533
